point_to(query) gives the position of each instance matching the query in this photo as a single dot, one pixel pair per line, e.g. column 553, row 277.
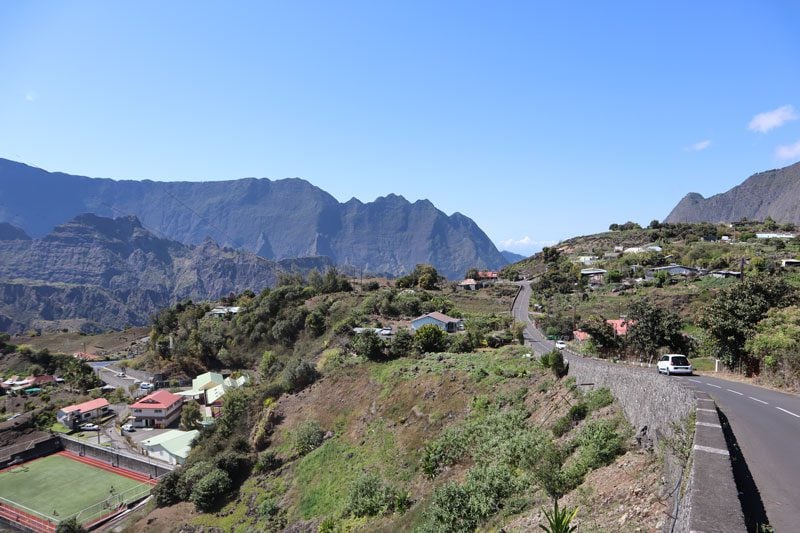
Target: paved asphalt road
column 766, row 425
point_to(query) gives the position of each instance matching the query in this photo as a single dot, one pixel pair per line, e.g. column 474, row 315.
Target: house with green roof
column 172, row 446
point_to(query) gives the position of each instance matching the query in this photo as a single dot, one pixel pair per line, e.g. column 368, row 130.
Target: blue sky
column 540, row 121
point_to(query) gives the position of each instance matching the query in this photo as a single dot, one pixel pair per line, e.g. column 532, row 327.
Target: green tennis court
column 59, row 487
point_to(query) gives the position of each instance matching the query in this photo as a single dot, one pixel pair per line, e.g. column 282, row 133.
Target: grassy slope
column 381, row 416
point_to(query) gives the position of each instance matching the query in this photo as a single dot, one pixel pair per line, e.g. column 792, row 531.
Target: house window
column 159, row 411
column 137, row 411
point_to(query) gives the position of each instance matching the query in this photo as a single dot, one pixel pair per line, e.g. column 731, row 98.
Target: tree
column 430, row 339
column 207, row 492
column 190, row 416
column 654, row 224
column 652, row 327
column 604, row 338
column 424, row 276
column 776, row 344
column 472, row 273
column 402, row 345
column 369, row 344
column 70, row 525
column 731, row 319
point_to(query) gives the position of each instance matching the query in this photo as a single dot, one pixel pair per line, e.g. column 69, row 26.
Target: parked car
column 561, row 345
column 90, row 427
column 673, row 363
column 15, row 415
column 127, row 427
column 121, row 374
column 145, row 385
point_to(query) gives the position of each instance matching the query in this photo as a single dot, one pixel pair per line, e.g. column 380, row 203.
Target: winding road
column 766, row 425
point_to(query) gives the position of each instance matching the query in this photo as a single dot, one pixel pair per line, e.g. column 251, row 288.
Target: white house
column 73, row 415
column 171, row 446
column 223, row 311
column 774, row 236
column 157, row 410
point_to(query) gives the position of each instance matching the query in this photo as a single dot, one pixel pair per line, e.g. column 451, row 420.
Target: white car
column 90, row 427
column 120, row 374
column 145, row 386
column 674, row 363
column 127, row 427
column 561, row 345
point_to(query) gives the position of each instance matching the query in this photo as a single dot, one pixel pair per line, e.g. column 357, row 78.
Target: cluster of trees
column 746, row 321
column 76, row 374
column 650, row 329
column 423, row 277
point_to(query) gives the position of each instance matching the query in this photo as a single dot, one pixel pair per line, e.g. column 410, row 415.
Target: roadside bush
column 599, row 444
column 599, row 398
column 561, row 426
column 207, row 492
column 578, row 412
column 557, row 364
column 370, row 496
column 307, row 437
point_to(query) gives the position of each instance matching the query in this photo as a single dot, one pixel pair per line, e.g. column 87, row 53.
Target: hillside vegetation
column 750, row 324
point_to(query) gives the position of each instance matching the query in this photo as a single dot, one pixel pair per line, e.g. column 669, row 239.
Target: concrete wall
column 143, row 465
column 655, row 406
column 28, row 451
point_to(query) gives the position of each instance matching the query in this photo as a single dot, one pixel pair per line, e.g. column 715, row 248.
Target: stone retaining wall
column 656, row 406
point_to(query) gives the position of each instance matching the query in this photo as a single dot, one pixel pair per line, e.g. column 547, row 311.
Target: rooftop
column 160, row 399
column 91, row 405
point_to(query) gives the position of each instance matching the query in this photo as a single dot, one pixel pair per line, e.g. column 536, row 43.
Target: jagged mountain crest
column 275, row 219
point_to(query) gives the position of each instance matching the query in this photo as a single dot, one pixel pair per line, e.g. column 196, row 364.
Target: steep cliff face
column 774, row 193
column 274, row 219
column 104, row 273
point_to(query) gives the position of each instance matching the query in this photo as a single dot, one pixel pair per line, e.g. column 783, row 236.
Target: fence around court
column 19, row 515
column 113, row 504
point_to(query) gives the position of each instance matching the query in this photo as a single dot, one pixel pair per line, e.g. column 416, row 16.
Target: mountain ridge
column 773, row 193
column 276, row 219
column 93, row 273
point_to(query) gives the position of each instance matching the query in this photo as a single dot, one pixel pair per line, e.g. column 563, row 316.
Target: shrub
column 307, row 437
column 207, row 492
column 368, row 344
column 299, row 376
column 190, row 477
column 444, row 451
column 450, row 510
column 267, row 462
column 578, row 412
column 430, row 339
column 557, row 364
column 599, row 398
column 599, row 444
column 561, row 426
column 166, row 492
column 268, row 508
column 370, row 496
column 70, row 525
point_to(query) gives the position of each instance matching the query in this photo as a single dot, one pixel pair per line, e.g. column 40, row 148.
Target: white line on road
column 710, row 449
column 735, row 392
column 757, row 400
column 712, row 385
column 789, row 412
column 695, row 380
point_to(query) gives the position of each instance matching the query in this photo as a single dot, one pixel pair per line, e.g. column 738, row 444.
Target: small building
column 726, row 274
column 440, row 320
column 620, row 325
column 157, row 410
column 384, row 332
column 72, row 416
column 774, row 235
column 487, row 275
column 642, row 249
column 468, row 284
column 221, row 311
column 672, row 270
column 586, row 259
column 171, row 446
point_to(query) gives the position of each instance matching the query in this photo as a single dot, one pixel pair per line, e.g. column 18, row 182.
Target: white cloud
column 769, row 120
column 788, row 151
column 699, row 146
column 31, row 96
column 524, row 244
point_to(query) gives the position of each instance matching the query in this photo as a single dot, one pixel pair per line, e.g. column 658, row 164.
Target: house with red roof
column 157, row 410
column 72, row 416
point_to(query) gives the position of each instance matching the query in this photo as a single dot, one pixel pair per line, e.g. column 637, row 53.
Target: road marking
column 708, row 424
column 704, row 399
column 757, row 400
column 695, row 380
column 710, row 450
column 789, row 412
column 735, row 392
column 712, row 385
column 708, row 410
